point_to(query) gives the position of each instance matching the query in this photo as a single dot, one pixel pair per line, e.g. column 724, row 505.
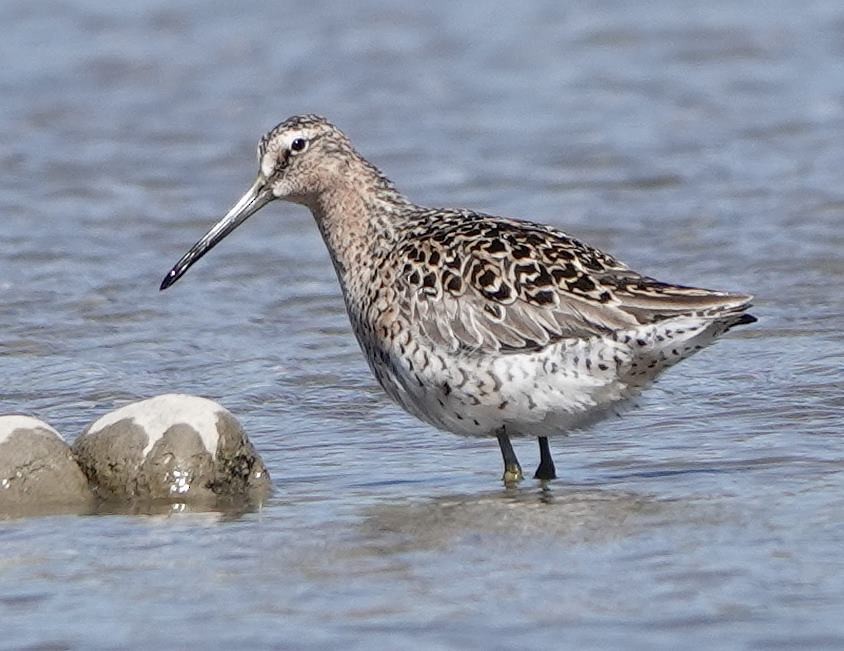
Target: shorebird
column 476, row 324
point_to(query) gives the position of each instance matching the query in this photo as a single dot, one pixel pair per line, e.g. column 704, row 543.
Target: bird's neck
column 359, row 215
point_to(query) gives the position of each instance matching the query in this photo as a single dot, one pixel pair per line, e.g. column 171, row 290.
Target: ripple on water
column 701, row 143
column 511, row 519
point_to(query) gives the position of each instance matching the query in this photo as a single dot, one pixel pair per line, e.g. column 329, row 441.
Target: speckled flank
column 9, row 424
column 156, row 415
column 478, row 324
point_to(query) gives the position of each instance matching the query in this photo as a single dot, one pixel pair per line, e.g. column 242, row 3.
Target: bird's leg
column 512, row 469
column 546, row 469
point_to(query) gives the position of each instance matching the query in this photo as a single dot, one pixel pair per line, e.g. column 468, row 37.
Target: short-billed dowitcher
column 479, row 325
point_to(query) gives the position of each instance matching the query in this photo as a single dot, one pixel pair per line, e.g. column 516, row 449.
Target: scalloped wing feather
column 475, row 282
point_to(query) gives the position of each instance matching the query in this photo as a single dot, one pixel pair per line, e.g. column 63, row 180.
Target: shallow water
column 701, row 143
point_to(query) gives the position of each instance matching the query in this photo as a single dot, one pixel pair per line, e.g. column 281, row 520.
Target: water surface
column 700, row 143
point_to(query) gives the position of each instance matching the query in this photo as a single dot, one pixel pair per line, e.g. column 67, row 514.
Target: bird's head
column 297, row 161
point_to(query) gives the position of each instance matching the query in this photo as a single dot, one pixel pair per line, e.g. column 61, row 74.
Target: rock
column 37, row 470
column 175, row 447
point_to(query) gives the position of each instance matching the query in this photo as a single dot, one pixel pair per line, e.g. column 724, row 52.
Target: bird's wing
column 479, row 283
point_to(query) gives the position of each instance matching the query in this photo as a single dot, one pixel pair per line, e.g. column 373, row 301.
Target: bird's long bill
column 258, row 196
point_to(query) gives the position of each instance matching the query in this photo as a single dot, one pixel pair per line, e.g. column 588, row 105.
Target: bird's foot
column 513, row 474
column 545, row 472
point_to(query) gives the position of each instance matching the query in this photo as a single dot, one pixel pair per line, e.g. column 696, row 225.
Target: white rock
column 156, row 415
column 12, row 422
column 37, row 470
column 171, row 447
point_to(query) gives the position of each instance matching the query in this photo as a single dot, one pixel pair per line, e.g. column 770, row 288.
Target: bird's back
column 483, row 283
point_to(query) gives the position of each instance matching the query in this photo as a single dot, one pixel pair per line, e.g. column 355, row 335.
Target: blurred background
column 701, row 143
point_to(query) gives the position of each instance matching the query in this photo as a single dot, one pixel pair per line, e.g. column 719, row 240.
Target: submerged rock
column 175, row 447
column 37, row 470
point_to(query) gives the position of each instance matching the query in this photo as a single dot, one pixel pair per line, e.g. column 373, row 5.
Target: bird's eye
column 298, row 144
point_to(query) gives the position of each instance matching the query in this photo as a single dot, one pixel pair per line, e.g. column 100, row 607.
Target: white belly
column 565, row 386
